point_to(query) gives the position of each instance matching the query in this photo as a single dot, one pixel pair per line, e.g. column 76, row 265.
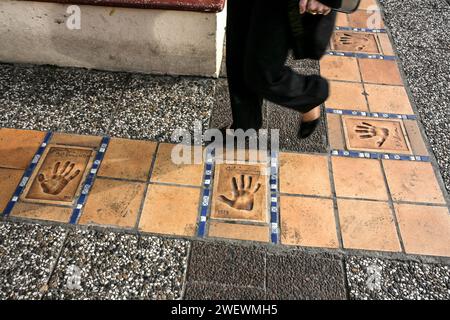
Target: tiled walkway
column 374, row 190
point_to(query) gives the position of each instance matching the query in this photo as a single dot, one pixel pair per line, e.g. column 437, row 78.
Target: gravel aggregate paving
column 153, row 107
column 373, row 278
column 28, row 254
column 120, row 266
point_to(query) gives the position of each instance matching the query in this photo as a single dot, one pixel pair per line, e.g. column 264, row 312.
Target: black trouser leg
column 245, row 103
column 260, row 40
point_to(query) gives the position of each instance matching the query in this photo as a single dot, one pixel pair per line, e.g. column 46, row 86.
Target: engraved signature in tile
column 368, row 131
column 243, row 194
column 55, row 183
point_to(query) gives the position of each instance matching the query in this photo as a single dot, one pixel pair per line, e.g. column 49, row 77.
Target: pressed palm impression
column 379, row 135
column 240, row 192
column 59, row 175
column 354, row 42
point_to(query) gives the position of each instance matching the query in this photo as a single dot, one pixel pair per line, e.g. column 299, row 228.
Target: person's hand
column 313, row 7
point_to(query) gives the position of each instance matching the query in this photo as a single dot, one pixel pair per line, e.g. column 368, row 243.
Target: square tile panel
column 9, row 180
column 368, row 225
column 304, row 174
column 42, row 212
column 380, row 71
column 359, row 178
column 128, row 159
column 378, row 135
column 237, row 231
column 413, row 181
column 388, row 99
column 113, row 203
column 340, row 68
column 59, row 174
column 170, row 210
column 345, row 95
column 354, row 42
column 166, row 171
column 18, row 147
column 308, row 222
column 366, row 19
column 76, row 140
column 342, row 20
column 424, row 229
column 240, row 192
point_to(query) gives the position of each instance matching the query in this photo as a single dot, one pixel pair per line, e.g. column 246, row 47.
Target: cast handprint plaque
column 58, row 177
column 376, row 135
column 240, row 192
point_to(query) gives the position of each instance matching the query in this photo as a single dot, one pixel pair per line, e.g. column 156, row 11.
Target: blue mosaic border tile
column 361, row 55
column 274, row 201
column 347, row 112
column 76, row 213
column 206, row 194
column 361, row 29
column 375, row 155
column 27, row 175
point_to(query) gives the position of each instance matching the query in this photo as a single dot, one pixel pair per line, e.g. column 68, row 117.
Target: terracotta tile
column 342, row 20
column 412, row 181
column 42, row 212
column 59, row 175
column 366, row 19
column 9, row 180
column 424, row 229
column 359, row 178
column 304, row 174
column 238, row 231
column 340, row 68
column 368, row 225
column 388, row 99
column 18, row 147
column 368, row 4
column 128, row 159
column 113, row 203
column 168, row 172
column 240, row 192
column 380, row 71
column 76, row 140
column 335, row 132
column 344, row 95
column 308, row 222
column 415, row 138
column 357, row 42
column 170, row 210
column 386, row 46
column 375, row 134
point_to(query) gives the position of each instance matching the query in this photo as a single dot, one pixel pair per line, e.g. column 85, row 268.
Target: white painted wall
column 117, row 39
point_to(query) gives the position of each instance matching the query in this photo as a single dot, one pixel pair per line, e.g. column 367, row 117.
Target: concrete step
column 153, row 36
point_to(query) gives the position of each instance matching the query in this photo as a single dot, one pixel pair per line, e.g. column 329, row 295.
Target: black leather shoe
column 307, row 128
